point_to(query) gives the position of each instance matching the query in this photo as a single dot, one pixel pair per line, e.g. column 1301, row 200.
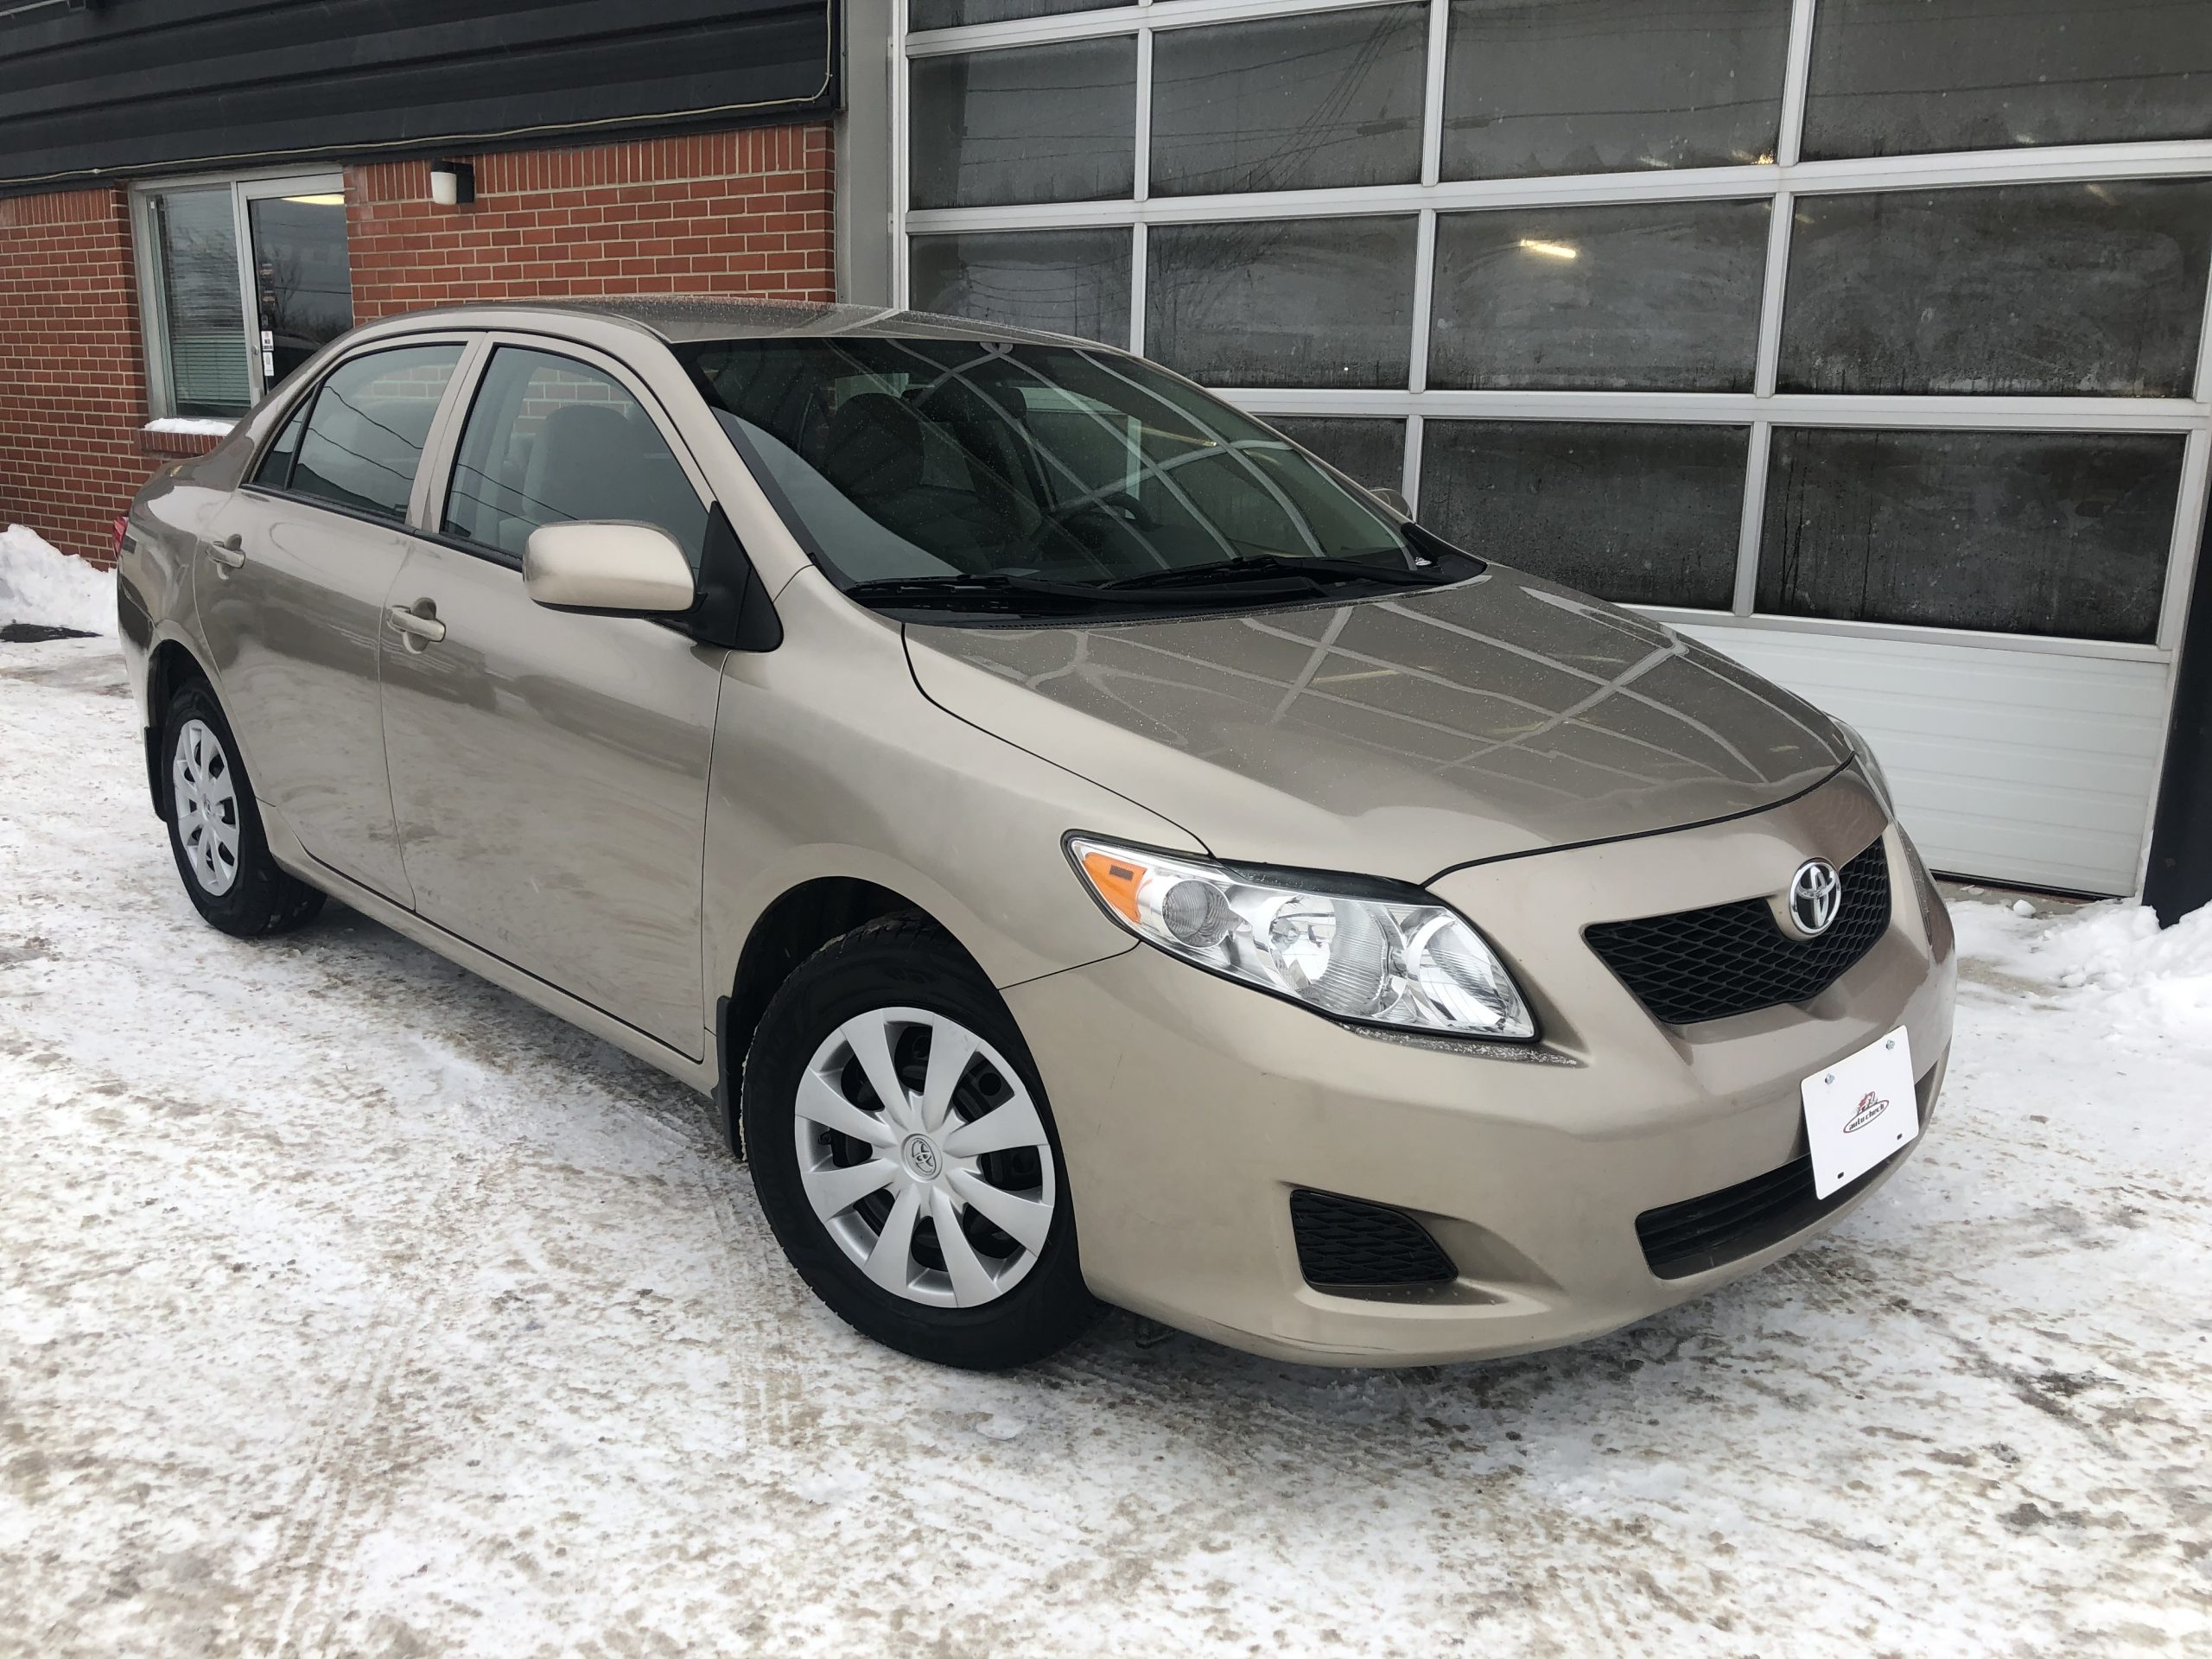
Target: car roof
column 676, row 318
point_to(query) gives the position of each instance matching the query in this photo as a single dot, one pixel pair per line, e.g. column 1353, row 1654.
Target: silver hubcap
column 206, row 802
column 924, row 1157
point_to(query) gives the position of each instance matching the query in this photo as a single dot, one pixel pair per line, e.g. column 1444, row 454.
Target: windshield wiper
column 1259, row 568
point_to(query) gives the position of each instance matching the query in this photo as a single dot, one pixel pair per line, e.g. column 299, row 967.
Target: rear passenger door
column 294, row 572
column 550, row 771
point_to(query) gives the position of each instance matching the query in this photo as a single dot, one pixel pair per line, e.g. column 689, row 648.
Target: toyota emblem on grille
column 1815, row 895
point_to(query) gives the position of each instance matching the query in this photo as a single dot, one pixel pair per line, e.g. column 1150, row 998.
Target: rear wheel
column 905, row 1154
column 215, row 828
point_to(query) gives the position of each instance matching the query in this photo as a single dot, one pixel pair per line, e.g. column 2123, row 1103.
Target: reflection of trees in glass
column 306, row 294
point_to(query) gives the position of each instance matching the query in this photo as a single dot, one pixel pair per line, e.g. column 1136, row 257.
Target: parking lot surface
column 349, row 1306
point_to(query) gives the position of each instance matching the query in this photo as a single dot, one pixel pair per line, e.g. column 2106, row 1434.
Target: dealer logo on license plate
column 1859, row 1111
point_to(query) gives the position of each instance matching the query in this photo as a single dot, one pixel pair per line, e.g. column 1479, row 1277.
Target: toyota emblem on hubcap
column 921, row 1157
column 1815, row 895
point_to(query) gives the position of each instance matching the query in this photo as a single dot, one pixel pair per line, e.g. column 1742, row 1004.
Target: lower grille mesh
column 1701, row 1234
column 1349, row 1241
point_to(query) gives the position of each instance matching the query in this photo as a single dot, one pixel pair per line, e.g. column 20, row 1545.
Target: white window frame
column 1760, row 409
column 153, row 312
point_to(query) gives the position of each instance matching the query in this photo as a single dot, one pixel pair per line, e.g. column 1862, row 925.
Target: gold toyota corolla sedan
column 1089, row 849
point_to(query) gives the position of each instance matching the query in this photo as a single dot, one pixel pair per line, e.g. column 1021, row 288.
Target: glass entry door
column 299, row 283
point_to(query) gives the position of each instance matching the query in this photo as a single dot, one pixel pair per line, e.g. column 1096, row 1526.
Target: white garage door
column 2035, row 767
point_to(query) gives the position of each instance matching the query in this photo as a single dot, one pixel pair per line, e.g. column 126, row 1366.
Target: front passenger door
column 548, row 770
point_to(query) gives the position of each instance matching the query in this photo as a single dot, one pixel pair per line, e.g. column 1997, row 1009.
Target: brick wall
column 744, row 212
column 741, row 213
column 72, row 384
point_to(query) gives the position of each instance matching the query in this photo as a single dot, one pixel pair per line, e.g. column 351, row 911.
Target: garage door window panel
column 1541, row 87
column 956, row 14
column 1372, row 453
column 550, row 440
column 1275, row 302
column 2053, row 533
column 2047, row 290
column 364, row 438
column 1900, row 76
column 1650, row 297
column 1033, row 123
column 1640, row 513
column 1319, row 102
column 1065, row 281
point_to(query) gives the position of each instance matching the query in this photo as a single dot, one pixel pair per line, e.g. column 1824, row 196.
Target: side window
column 550, row 440
column 276, row 469
column 364, row 436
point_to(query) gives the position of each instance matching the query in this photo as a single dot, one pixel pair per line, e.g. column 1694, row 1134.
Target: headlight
column 1867, row 764
column 1408, row 963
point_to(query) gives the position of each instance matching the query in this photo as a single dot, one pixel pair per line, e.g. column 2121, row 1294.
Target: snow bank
column 2114, row 956
column 40, row 583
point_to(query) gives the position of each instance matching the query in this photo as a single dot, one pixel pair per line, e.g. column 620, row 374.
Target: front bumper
column 1189, row 1107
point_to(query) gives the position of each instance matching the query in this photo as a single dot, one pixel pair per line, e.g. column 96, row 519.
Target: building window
column 242, row 281
column 2031, row 289
column 1040, row 123
column 1897, row 77
column 1645, row 513
column 1283, row 302
column 2052, row 533
column 1541, row 87
column 1290, row 104
column 1659, row 296
column 1068, row 282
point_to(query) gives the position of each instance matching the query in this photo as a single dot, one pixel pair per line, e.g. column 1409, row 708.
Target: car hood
column 1400, row 736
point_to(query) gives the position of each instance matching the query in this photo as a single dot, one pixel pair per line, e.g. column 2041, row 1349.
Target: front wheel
column 215, row 828
column 906, row 1157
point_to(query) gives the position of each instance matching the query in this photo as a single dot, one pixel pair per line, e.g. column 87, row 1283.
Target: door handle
column 427, row 629
column 230, row 552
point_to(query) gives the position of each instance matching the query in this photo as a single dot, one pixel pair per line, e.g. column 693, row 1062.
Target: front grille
column 1707, row 964
column 1701, row 1234
column 1348, row 1241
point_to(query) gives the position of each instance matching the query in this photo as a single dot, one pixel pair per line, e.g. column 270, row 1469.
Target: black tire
column 903, row 962
column 260, row 899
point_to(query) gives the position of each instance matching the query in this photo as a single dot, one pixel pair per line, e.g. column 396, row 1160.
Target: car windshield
column 929, row 469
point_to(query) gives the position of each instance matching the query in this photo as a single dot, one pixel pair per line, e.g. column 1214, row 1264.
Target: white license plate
column 1859, row 1111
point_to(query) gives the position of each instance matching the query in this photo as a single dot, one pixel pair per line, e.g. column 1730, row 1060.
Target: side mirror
column 627, row 570
column 1394, row 499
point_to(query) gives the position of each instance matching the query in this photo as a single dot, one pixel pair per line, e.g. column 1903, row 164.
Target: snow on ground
column 39, row 583
column 350, row 1305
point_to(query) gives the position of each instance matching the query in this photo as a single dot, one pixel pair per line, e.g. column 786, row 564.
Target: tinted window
column 1893, row 77
column 1283, row 302
column 364, row 436
column 2027, row 532
column 1550, row 86
column 1660, row 298
column 1293, row 103
column 1065, row 281
column 550, row 440
column 276, row 469
column 2050, row 289
column 1034, row 123
column 1634, row 512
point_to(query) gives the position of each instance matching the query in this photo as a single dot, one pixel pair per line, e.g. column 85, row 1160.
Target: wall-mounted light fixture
column 452, row 183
